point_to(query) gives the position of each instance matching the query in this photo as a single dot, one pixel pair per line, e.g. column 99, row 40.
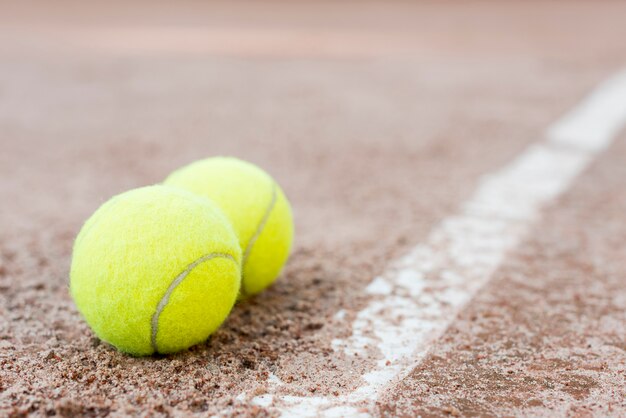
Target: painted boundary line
column 419, row 296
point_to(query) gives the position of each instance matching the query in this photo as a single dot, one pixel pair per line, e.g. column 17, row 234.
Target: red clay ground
column 547, row 336
column 378, row 120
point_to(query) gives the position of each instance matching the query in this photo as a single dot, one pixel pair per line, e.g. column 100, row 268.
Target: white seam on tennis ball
column 166, row 297
column 258, row 231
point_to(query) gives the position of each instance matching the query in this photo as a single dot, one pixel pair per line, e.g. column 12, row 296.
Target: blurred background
column 378, row 119
column 99, row 97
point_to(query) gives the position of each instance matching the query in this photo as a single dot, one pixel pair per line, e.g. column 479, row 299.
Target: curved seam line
column 257, row 233
column 154, row 323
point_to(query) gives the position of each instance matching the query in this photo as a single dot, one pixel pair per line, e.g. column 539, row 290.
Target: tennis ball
column 155, row 270
column 257, row 208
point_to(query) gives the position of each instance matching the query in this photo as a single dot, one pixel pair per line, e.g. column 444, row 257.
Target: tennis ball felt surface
column 155, row 269
column 257, row 208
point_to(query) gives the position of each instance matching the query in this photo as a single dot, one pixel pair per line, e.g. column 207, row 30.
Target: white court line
column 418, row 297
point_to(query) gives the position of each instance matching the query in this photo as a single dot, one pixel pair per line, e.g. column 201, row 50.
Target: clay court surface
column 457, row 172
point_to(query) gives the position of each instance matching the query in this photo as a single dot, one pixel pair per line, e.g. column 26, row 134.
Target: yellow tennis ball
column 155, row 270
column 257, row 208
